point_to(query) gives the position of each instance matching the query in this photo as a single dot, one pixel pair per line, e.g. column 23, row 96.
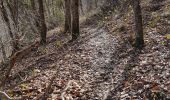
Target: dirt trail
column 98, row 78
column 91, row 68
column 88, row 63
column 97, row 66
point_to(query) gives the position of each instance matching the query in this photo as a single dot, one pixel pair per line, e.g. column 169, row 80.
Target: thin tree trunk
column 81, row 7
column 33, row 5
column 139, row 39
column 35, row 18
column 75, row 19
column 43, row 27
column 6, row 19
column 96, row 1
column 89, row 5
column 47, row 3
column 67, row 26
column 3, row 50
column 13, row 9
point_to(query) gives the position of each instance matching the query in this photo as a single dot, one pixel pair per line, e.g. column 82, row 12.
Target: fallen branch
column 67, row 87
column 47, row 91
column 44, row 95
column 4, row 96
column 23, row 91
column 14, row 58
column 13, row 86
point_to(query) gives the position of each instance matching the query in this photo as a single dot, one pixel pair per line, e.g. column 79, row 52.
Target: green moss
column 58, row 44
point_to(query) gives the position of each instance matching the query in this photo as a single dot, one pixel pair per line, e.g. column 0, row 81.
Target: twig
column 65, row 89
column 4, row 96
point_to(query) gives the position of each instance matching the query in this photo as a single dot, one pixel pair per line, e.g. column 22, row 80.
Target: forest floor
column 101, row 65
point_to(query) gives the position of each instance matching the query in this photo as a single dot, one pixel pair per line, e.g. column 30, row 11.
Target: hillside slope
column 102, row 64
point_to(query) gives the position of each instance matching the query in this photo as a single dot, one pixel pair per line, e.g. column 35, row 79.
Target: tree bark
column 3, row 50
column 89, row 5
column 17, row 55
column 67, row 26
column 13, row 9
column 81, row 7
column 139, row 39
column 7, row 22
column 96, row 3
column 43, row 27
column 33, row 5
column 75, row 19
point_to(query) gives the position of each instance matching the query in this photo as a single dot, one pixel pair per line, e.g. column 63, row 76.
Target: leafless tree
column 139, row 39
column 75, row 19
column 67, row 27
column 7, row 22
column 43, row 27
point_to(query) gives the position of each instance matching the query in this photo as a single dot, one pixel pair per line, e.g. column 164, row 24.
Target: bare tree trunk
column 81, row 7
column 96, row 1
column 13, row 9
column 6, row 19
column 33, row 4
column 43, row 27
column 75, row 19
column 47, row 3
column 35, row 18
column 67, row 27
column 3, row 50
column 139, row 39
column 89, row 5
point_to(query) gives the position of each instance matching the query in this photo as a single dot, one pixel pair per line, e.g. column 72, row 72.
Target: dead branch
column 14, row 58
column 67, row 87
column 44, row 96
column 13, row 86
column 4, row 96
column 46, row 93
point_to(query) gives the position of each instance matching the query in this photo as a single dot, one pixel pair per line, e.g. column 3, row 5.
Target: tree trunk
column 81, row 7
column 43, row 27
column 67, row 27
column 89, row 5
column 96, row 1
column 3, row 50
column 13, row 9
column 139, row 39
column 33, row 5
column 75, row 19
column 7, row 22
